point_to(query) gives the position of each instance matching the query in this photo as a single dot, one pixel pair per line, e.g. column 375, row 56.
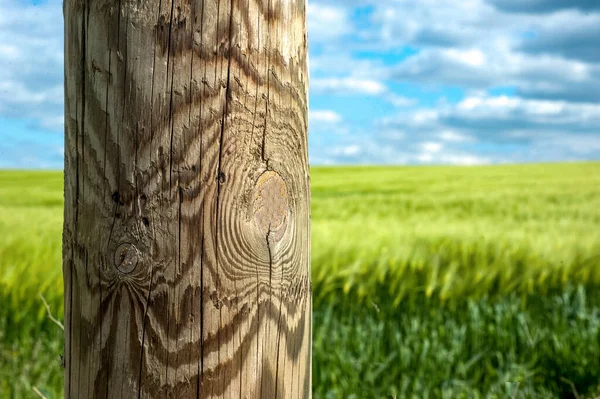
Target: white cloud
column 325, row 122
column 432, row 147
column 433, row 22
column 531, row 75
column 550, row 60
column 338, row 61
column 351, row 150
column 472, row 45
column 357, row 85
column 423, row 116
column 324, row 116
column 463, row 159
column 425, row 157
column 520, row 111
column 433, row 152
column 474, row 57
column 53, row 123
column 547, row 59
column 454, row 137
column 9, row 52
column 345, row 151
column 326, row 22
column 348, row 85
column 400, row 101
column 499, row 116
column 576, row 144
column 366, row 149
column 31, row 63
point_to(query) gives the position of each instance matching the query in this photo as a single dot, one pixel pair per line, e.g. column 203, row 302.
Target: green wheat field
column 429, row 282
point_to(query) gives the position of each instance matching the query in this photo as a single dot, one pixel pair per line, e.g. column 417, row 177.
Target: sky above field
column 397, row 81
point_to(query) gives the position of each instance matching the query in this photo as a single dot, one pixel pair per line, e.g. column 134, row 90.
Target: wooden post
column 186, row 239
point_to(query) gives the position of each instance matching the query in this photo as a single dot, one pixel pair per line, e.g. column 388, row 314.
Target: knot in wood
column 126, row 258
column 270, row 206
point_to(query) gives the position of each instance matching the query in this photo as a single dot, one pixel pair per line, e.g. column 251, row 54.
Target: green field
column 429, row 282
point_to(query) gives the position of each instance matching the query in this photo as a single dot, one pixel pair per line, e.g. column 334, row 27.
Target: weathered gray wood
column 186, row 239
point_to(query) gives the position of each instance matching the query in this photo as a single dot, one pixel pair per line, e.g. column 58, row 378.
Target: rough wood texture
column 186, row 239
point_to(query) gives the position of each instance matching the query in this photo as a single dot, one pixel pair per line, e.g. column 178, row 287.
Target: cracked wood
column 186, row 237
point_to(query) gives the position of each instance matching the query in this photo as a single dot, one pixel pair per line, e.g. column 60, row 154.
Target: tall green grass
column 30, row 264
column 452, row 232
column 431, row 282
column 481, row 348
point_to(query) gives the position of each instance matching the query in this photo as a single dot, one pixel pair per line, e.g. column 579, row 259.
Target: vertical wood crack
column 201, row 132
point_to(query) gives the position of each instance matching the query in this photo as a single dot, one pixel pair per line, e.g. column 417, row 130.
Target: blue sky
column 392, row 82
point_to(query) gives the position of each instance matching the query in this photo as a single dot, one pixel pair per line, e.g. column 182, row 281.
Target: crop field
column 429, row 282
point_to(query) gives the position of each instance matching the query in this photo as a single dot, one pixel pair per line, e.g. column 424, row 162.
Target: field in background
column 428, row 281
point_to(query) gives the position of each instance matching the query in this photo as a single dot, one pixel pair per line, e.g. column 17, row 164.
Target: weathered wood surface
column 186, row 239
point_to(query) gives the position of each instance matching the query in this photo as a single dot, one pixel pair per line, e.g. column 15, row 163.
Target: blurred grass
column 432, row 282
column 30, row 263
column 452, row 232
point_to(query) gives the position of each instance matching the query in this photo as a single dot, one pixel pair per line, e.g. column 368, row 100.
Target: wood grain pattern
column 186, row 238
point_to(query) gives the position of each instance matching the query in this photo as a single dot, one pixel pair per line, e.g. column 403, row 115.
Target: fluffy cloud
column 508, row 114
column 368, row 149
column 544, row 53
column 525, row 76
column 31, row 63
column 500, row 118
column 326, row 122
column 518, row 129
column 327, row 22
column 324, row 116
column 542, row 76
column 359, row 86
column 544, row 6
column 348, row 85
column 454, row 137
column 552, row 57
column 558, row 35
column 440, row 24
